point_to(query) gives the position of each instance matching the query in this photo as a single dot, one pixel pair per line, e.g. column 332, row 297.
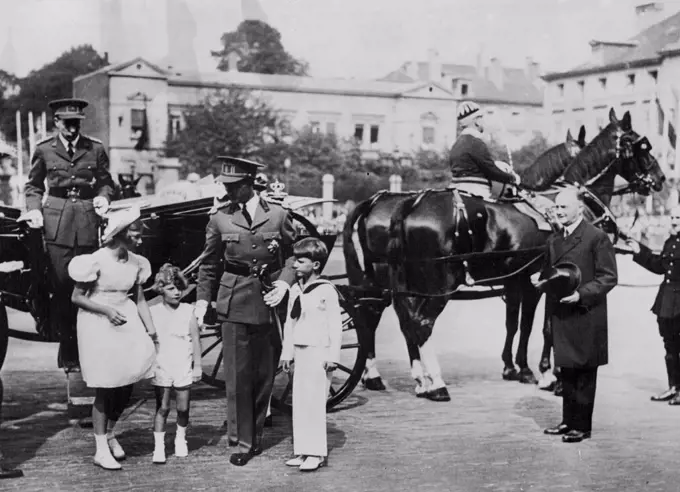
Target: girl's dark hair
column 312, row 248
column 169, row 275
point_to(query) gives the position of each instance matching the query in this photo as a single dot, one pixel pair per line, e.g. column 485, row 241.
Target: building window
column 560, row 90
column 603, row 82
column 428, row 135
column 463, row 90
column 374, row 133
column 359, row 133
column 137, row 117
column 286, row 128
column 175, row 125
column 582, row 87
column 631, row 80
column 330, row 128
column 654, row 74
column 316, row 127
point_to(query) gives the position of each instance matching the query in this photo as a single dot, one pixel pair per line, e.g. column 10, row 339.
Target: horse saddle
column 538, row 208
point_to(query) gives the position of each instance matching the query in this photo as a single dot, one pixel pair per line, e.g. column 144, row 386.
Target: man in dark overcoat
column 79, row 190
column 242, row 235
column 667, row 303
column 579, row 321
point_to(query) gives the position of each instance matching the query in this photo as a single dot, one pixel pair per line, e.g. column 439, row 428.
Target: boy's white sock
column 159, row 440
column 181, row 433
column 102, row 444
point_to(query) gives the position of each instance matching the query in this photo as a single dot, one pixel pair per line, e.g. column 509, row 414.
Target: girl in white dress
column 114, row 332
column 178, row 358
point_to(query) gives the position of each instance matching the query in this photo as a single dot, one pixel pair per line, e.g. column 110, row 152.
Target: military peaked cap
column 235, row 169
column 69, row 109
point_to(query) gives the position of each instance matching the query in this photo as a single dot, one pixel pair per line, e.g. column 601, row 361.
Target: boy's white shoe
column 313, row 463
column 116, row 448
column 106, row 461
column 297, row 461
column 181, row 449
column 159, row 456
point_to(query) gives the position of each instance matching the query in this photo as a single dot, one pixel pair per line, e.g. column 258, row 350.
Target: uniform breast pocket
column 231, row 241
column 272, row 240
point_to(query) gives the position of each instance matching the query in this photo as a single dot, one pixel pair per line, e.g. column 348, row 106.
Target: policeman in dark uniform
column 80, row 188
column 667, row 303
column 243, row 235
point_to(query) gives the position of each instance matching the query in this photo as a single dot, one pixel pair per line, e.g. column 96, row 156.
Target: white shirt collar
column 65, row 142
column 251, row 205
column 472, row 132
column 571, row 228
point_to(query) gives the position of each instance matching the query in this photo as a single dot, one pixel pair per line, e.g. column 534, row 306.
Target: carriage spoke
column 332, row 391
column 344, row 369
column 218, row 363
column 350, row 346
column 206, row 351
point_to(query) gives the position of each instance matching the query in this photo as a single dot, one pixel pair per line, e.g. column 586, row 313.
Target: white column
column 20, row 162
column 31, row 135
column 328, row 181
column 395, row 183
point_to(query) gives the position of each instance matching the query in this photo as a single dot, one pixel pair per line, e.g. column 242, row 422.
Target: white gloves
column 34, row 219
column 200, row 309
column 275, row 296
column 101, row 205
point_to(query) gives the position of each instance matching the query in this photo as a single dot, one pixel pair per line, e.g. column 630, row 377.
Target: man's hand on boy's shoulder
column 330, row 366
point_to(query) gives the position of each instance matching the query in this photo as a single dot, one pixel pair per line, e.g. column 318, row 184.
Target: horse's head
column 572, row 146
column 636, row 164
column 128, row 187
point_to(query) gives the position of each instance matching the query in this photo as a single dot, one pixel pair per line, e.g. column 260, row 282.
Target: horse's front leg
column 367, row 324
column 530, row 298
column 513, row 302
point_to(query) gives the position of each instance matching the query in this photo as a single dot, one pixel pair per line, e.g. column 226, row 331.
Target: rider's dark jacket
column 471, row 161
column 667, row 263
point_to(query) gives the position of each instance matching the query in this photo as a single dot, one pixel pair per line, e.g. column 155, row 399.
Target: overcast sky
column 341, row 38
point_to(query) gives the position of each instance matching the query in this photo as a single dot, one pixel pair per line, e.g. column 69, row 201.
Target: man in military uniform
column 472, row 166
column 243, row 235
column 80, row 188
column 667, row 303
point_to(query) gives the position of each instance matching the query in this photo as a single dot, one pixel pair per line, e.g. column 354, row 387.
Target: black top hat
column 560, row 280
column 69, row 109
column 235, row 169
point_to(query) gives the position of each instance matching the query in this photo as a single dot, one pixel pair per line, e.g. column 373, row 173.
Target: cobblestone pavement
column 489, row 437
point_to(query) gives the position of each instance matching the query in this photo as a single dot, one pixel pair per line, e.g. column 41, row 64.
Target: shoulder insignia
column 93, row 139
column 45, row 140
column 217, row 206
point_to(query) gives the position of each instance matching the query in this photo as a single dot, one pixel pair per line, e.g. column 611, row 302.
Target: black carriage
column 173, row 232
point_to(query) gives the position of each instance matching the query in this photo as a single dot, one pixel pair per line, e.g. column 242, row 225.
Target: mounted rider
column 472, row 166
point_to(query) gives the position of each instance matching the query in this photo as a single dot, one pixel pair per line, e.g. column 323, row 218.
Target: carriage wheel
column 4, row 334
column 345, row 378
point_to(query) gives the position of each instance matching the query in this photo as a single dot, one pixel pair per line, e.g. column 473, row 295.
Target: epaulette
column 44, row 140
column 219, row 206
column 93, row 139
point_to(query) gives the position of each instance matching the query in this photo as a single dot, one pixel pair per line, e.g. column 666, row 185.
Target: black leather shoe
column 439, row 394
column 575, row 436
column 10, row 473
column 557, row 430
column 268, row 421
column 241, row 459
column 669, row 394
column 232, row 443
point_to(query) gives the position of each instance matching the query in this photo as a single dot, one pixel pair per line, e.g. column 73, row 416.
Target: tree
column 260, row 49
column 232, row 123
column 52, row 81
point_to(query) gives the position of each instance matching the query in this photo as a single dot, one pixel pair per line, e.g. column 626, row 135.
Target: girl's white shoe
column 297, row 461
column 106, row 461
column 116, row 448
column 158, row 456
column 181, row 449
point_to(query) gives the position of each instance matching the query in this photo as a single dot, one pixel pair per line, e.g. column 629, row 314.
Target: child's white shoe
column 159, row 456
column 116, row 448
column 106, row 461
column 181, row 449
column 297, row 461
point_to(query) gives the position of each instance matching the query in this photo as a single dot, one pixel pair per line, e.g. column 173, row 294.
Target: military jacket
column 69, row 221
column 471, row 162
column 667, row 263
column 231, row 244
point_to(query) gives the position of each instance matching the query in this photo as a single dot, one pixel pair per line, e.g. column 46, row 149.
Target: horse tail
column 355, row 274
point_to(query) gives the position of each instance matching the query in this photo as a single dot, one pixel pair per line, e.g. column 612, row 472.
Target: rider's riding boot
column 672, row 367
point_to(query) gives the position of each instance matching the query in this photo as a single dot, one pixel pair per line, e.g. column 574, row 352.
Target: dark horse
column 442, row 240
column 372, row 219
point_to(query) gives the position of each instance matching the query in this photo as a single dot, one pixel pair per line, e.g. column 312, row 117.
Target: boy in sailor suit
column 312, row 338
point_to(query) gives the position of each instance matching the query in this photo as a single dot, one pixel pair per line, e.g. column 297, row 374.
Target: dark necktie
column 70, row 150
column 246, row 215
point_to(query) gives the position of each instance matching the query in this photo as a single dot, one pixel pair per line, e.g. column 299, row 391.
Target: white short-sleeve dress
column 112, row 356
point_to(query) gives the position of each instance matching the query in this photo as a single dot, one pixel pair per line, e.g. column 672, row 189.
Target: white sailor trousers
column 311, row 384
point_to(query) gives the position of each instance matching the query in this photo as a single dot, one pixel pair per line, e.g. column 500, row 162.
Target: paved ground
column 489, row 437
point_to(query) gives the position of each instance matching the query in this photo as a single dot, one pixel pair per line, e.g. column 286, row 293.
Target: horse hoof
column 374, row 384
column 527, row 377
column 510, row 374
column 439, row 394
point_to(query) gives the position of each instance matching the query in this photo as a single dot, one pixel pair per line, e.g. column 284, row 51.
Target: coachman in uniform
column 79, row 189
column 243, row 235
column 667, row 304
column 472, row 166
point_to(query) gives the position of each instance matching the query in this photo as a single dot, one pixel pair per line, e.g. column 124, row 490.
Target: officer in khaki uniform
column 243, row 235
column 76, row 169
column 667, row 304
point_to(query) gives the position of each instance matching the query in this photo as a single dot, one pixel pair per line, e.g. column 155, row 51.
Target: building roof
column 283, row 83
column 646, row 48
column 517, row 87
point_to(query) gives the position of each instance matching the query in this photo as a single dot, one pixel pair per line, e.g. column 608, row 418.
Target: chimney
column 648, row 14
column 434, row 66
column 496, row 73
column 532, row 70
column 232, row 61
